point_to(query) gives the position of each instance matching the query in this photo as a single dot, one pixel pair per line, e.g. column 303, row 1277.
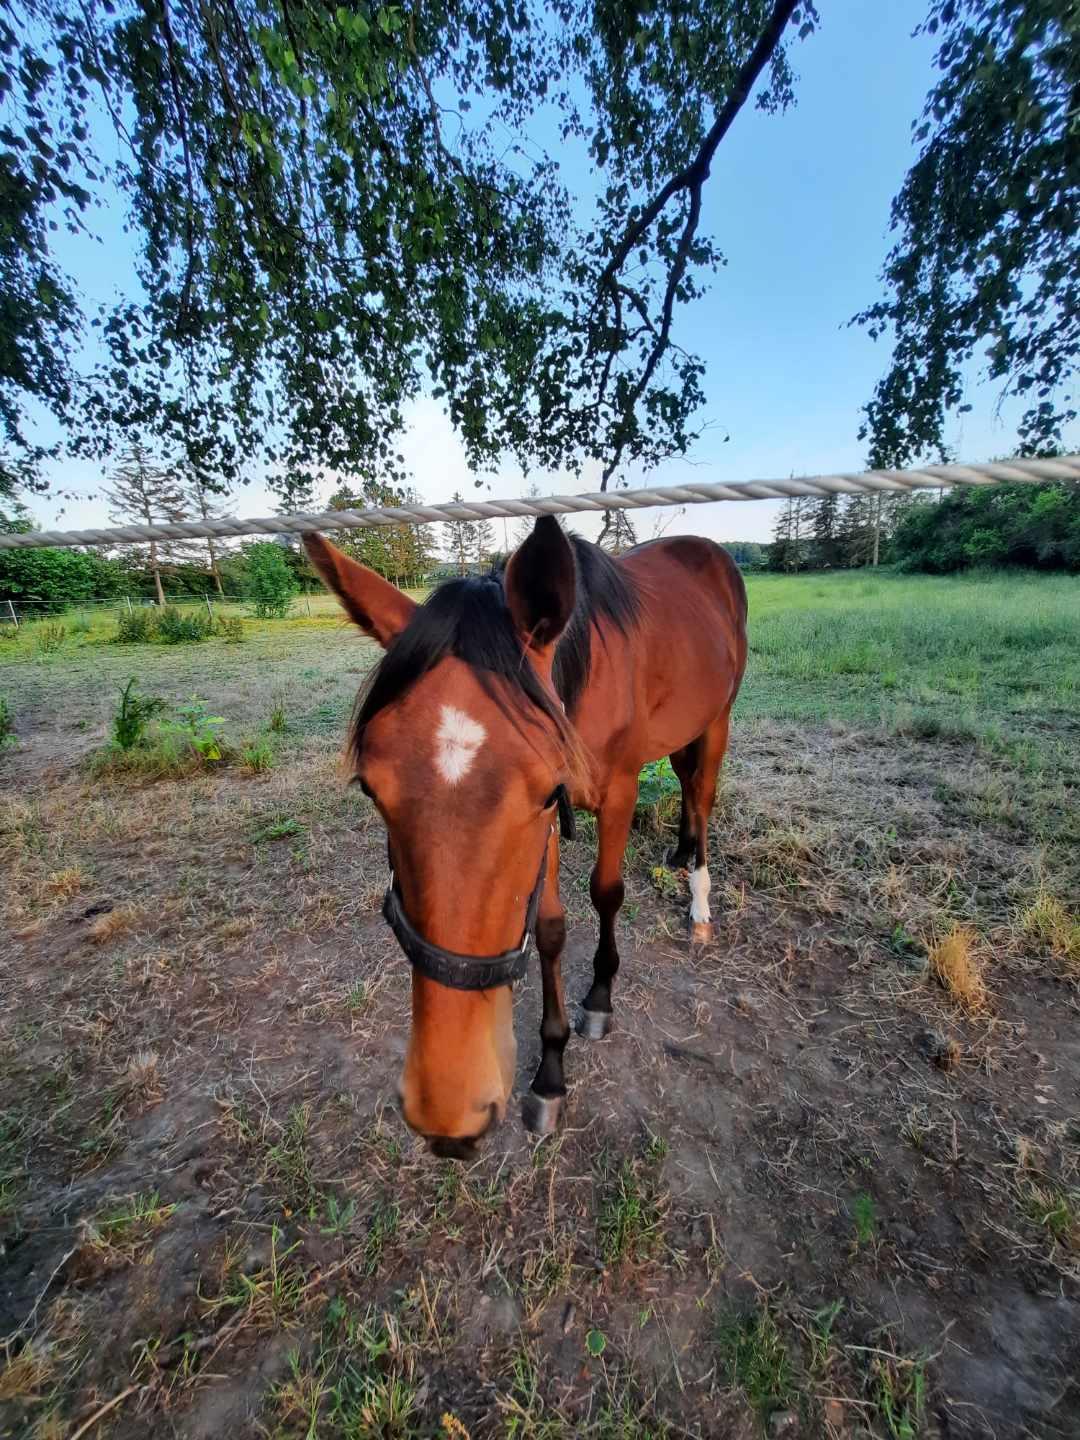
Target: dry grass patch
column 1049, row 925
column 25, row 1376
column 65, row 883
column 114, row 923
column 956, row 965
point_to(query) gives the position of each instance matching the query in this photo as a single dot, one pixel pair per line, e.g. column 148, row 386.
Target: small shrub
column 135, row 627
column 176, row 628
column 278, row 719
column 80, row 625
column 271, row 583
column 231, row 629
column 659, row 794
column 49, row 638
column 7, row 725
column 200, row 730
column 133, row 715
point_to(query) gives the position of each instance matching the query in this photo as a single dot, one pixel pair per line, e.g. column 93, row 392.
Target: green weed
column 382, row 1227
column 277, row 830
column 898, row 1390
column 7, row 725
column 630, row 1220
column 753, row 1358
column 133, row 715
column 864, row 1214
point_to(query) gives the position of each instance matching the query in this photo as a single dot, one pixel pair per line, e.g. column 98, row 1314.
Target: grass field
column 822, row 1180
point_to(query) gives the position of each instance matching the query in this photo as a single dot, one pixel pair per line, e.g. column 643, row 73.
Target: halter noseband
column 473, row 972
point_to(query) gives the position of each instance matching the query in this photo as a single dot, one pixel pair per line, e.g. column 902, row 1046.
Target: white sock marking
column 699, row 896
column 459, row 737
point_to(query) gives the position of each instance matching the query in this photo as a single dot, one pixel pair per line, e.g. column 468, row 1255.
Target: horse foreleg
column 541, row 1105
column 607, row 890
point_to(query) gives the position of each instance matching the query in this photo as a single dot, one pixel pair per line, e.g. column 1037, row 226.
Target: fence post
column 307, row 602
column 128, row 599
column 15, row 618
column 209, row 608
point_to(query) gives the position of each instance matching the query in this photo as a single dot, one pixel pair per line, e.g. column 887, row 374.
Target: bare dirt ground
column 804, row 1189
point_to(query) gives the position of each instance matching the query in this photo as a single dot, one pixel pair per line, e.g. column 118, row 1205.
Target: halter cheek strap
column 462, row 972
column 473, row 972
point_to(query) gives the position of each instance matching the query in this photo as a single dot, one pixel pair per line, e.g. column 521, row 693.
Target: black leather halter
column 473, row 972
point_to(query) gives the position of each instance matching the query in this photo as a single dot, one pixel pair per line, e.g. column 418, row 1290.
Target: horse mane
column 468, row 618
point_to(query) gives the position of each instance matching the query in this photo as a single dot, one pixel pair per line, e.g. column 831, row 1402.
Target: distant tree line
column 941, row 532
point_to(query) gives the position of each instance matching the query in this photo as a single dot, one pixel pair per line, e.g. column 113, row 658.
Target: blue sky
column 799, row 205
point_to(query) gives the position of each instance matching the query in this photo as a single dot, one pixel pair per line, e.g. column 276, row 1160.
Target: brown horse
column 498, row 700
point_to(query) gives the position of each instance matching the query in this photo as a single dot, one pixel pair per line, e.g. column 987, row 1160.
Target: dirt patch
column 800, row 1189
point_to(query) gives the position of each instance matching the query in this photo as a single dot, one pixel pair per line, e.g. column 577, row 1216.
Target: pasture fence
column 895, row 482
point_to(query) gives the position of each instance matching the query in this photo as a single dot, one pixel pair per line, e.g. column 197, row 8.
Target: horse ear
column 541, row 584
column 379, row 608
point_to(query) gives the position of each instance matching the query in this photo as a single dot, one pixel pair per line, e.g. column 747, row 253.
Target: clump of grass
column 955, row 964
column 1057, row 1212
column 1049, row 925
column 280, row 829
column 49, row 638
column 25, row 1376
column 753, row 1358
column 359, row 1382
column 288, row 1163
column 65, row 883
column 630, row 1220
column 231, row 629
column 257, row 755
column 279, row 720
column 123, row 1230
column 383, row 1226
column 270, row 1296
column 7, row 725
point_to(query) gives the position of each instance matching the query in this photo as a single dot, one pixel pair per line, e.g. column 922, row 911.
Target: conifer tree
column 149, row 495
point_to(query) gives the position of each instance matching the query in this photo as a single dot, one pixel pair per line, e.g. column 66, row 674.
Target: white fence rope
column 929, row 477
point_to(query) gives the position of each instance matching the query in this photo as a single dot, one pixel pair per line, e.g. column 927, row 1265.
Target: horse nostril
column 450, row 1147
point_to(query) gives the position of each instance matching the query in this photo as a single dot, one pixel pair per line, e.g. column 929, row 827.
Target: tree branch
column 697, row 172
column 691, row 179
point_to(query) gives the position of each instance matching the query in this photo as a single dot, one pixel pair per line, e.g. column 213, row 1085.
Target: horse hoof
column 593, row 1024
column 541, row 1112
column 701, row 933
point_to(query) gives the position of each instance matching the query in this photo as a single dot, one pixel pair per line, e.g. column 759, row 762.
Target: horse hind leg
column 710, row 756
column 684, row 763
